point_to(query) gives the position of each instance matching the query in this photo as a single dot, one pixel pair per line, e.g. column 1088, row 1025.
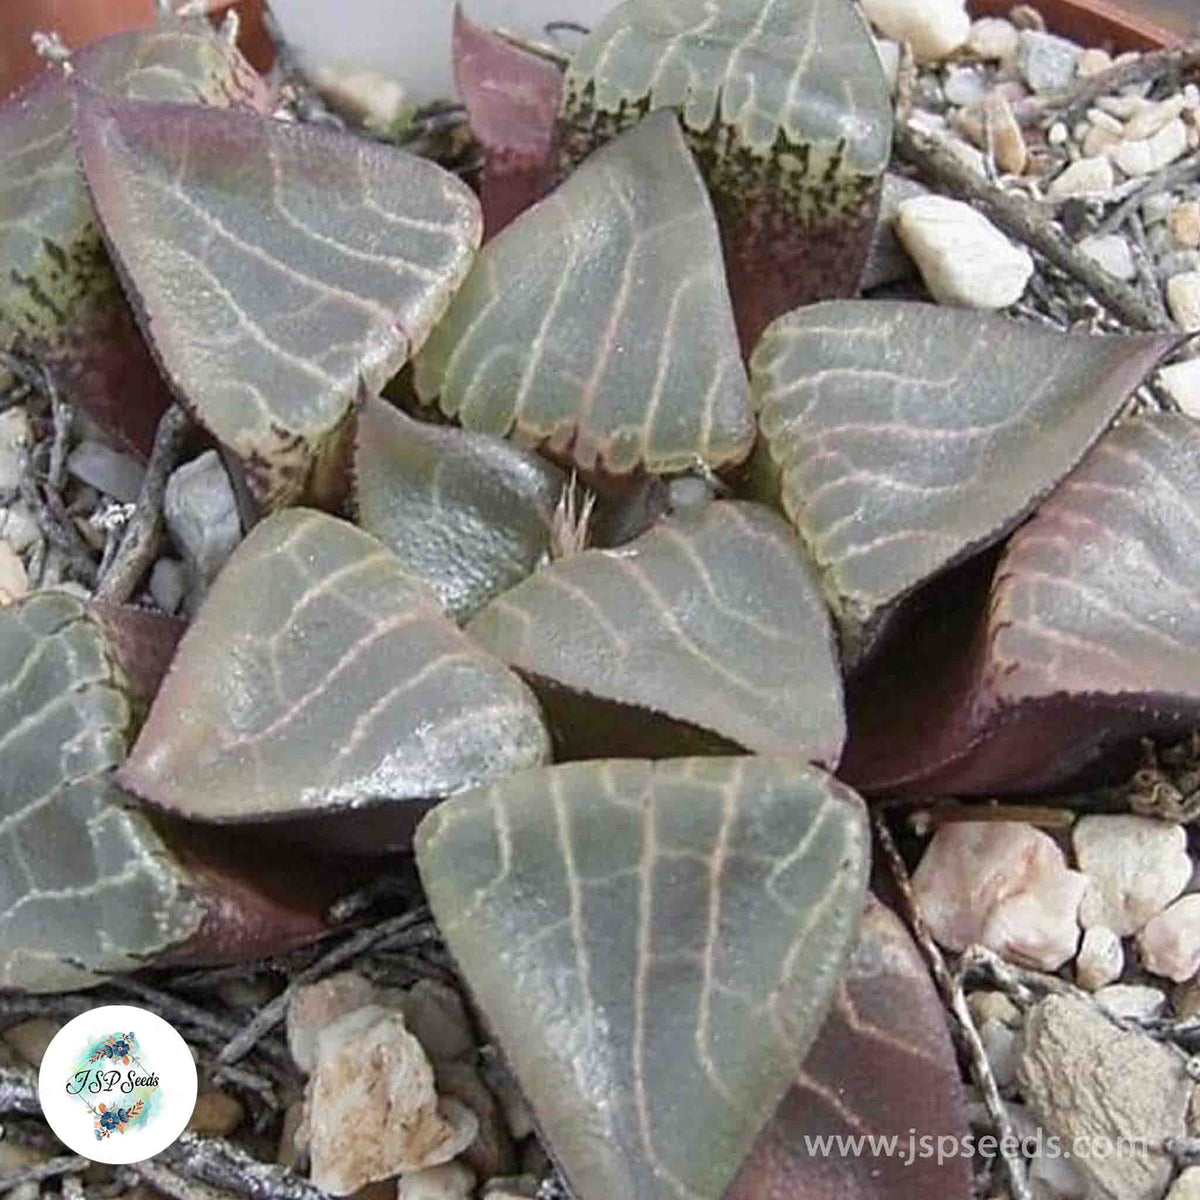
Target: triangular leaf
column 91, row 885
column 787, row 109
column 59, row 299
column 911, row 436
column 468, row 513
column 512, row 101
column 655, row 945
column 278, row 270
column 712, row 618
column 598, row 323
column 1088, row 643
column 341, row 686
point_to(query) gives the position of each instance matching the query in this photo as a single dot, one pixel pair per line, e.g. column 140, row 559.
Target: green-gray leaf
column 598, row 323
column 787, row 109
column 713, row 617
column 468, row 513
column 319, row 677
column 88, row 887
column 910, row 436
column 279, row 271
column 655, row 945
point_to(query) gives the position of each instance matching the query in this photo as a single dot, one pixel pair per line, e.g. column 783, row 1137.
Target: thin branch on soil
column 181, row 1012
column 1182, row 171
column 1024, row 220
column 164, row 1180
column 145, row 531
column 36, row 1172
column 951, row 987
column 224, row 1165
column 411, row 929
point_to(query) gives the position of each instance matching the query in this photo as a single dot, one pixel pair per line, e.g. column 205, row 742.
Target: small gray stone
column 965, row 85
column 202, row 517
column 1157, row 208
column 19, row 527
column 436, row 1017
column 1002, row 1046
column 168, row 584
column 1131, row 1000
column 1084, row 1078
column 1111, row 253
column 15, row 436
column 1046, row 63
column 887, row 261
column 107, row 470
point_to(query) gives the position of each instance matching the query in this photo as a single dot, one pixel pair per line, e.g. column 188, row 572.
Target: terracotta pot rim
column 1091, row 23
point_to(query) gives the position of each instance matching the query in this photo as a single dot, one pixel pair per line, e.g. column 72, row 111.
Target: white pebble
column 993, row 38
column 1057, row 134
column 1170, row 942
column 1124, row 108
column 1099, row 119
column 1183, row 299
column 963, row 258
column 14, row 583
column 1184, row 223
column 934, row 28
column 1157, row 208
column 1150, row 120
column 1135, row 867
column 1092, row 61
column 1148, row 155
column 1111, row 253
column 1182, row 382
column 1101, row 958
column 1087, row 177
column 450, row 1181
column 1004, row 884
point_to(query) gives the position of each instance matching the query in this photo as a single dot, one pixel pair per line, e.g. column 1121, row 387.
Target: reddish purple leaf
column 1090, row 640
column 512, row 99
column 883, row 1065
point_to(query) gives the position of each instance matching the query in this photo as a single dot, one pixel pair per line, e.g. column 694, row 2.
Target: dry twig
column 1024, row 220
column 144, row 533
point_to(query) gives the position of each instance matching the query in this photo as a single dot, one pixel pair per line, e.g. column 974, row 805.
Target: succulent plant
column 928, row 570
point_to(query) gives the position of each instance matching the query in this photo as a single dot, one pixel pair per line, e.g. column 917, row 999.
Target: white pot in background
column 409, row 40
